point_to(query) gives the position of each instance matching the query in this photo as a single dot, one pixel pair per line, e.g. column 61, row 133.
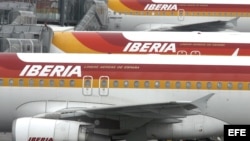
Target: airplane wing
column 171, row 110
column 205, row 26
column 130, row 117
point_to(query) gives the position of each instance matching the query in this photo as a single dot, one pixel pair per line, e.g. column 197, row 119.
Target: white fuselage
column 165, row 14
column 232, row 104
column 229, row 103
column 145, row 23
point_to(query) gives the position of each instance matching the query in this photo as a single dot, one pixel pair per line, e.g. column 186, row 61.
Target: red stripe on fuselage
column 10, row 61
column 116, row 42
column 139, row 5
column 102, row 42
column 12, row 67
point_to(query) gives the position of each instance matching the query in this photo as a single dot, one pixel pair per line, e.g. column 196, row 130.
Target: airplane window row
column 182, row 12
column 104, row 83
column 215, row 14
column 181, row 84
column 41, row 83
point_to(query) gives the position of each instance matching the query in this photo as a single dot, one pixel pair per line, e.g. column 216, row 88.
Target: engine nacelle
column 37, row 129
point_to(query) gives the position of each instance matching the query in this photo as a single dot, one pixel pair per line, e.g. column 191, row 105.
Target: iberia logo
column 161, row 7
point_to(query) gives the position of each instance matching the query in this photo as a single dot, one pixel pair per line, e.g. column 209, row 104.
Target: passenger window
column 11, row 82
column 157, row 84
column 240, row 86
column 125, row 83
column 178, row 84
column 146, row 84
column 219, row 85
column 116, row 84
column 248, row 85
column 104, row 83
column 87, row 83
column 61, row 83
column 1, row 82
column 188, row 85
column 21, row 82
column 209, row 85
column 31, row 82
column 198, row 85
column 72, row 83
column 229, row 85
column 136, row 84
column 51, row 83
column 41, row 82
column 167, row 84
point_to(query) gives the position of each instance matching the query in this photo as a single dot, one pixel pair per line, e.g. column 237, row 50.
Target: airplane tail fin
column 234, row 21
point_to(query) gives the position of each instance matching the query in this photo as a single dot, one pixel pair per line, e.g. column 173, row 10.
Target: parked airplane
column 89, row 97
column 181, row 43
column 179, row 15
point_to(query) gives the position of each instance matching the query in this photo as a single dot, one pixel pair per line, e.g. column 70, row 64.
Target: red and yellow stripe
column 124, row 6
column 115, row 42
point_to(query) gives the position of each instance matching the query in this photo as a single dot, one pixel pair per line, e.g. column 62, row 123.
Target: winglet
column 234, row 21
column 200, row 103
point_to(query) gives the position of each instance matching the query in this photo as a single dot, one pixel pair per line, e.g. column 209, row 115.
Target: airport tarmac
column 5, row 137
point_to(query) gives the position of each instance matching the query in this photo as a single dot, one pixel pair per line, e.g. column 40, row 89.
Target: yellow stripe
column 187, row 13
column 67, row 42
column 142, row 84
column 117, row 6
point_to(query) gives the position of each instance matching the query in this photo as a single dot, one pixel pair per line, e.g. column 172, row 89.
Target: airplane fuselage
column 168, row 43
column 46, row 83
column 179, row 16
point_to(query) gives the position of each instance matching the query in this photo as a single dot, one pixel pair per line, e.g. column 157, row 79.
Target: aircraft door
column 181, row 14
column 195, row 52
column 114, row 20
column 181, row 52
column 103, row 85
column 87, row 85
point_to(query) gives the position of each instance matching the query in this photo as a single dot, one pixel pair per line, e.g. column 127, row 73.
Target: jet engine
column 37, row 129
